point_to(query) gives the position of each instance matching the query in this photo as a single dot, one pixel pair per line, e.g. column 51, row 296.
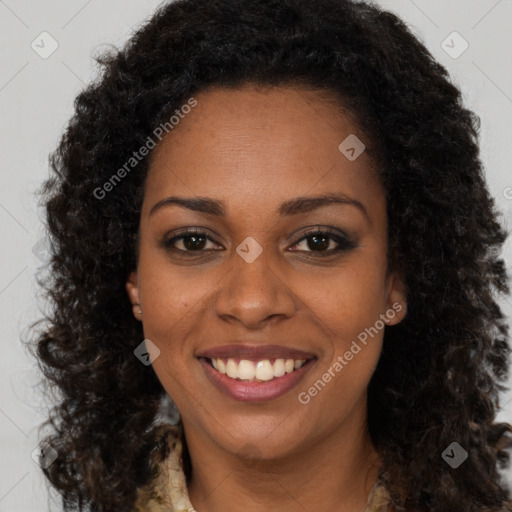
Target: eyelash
column 344, row 243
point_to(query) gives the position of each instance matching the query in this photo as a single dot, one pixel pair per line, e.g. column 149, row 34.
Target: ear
column 132, row 288
column 397, row 300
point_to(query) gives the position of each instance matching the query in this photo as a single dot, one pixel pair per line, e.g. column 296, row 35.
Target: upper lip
column 254, row 352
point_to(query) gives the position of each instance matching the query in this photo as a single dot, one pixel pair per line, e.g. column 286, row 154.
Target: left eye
column 321, row 242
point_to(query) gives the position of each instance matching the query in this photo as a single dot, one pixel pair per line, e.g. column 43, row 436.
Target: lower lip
column 255, row 391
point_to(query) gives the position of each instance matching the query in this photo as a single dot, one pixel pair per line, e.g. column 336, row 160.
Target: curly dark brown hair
column 441, row 369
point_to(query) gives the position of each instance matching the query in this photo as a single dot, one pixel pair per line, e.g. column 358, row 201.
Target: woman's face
column 254, row 277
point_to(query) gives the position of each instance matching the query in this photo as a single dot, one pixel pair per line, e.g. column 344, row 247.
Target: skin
column 255, row 148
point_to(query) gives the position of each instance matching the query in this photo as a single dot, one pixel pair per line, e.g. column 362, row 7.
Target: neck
column 332, row 474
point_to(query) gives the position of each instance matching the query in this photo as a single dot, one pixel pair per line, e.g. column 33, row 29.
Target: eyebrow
column 291, row 207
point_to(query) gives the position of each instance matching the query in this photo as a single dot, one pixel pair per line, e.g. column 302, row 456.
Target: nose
column 254, row 294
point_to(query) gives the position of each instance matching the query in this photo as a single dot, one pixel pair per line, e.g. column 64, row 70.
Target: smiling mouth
column 262, row 370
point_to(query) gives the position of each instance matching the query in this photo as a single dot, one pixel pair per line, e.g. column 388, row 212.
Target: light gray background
column 36, row 98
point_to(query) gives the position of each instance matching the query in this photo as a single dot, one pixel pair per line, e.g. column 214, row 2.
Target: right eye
column 191, row 240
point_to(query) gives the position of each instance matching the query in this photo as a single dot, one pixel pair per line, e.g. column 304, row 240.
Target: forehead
column 263, row 144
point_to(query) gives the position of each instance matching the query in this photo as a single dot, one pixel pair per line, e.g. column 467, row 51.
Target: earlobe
column 397, row 300
column 132, row 289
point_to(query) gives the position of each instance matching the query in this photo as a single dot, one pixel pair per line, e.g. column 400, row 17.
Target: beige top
column 167, row 491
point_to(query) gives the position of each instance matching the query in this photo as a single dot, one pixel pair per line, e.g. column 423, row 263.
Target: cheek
column 169, row 318
column 170, row 303
column 349, row 312
column 347, row 300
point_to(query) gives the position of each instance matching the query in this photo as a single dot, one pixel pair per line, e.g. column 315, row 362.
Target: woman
column 274, row 214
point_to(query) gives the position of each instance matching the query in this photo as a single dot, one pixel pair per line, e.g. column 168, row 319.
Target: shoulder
column 166, row 491
column 379, row 499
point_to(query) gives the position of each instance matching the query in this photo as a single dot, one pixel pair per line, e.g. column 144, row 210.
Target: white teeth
column 261, row 370
column 264, row 370
column 279, row 370
column 232, row 369
column 246, row 370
